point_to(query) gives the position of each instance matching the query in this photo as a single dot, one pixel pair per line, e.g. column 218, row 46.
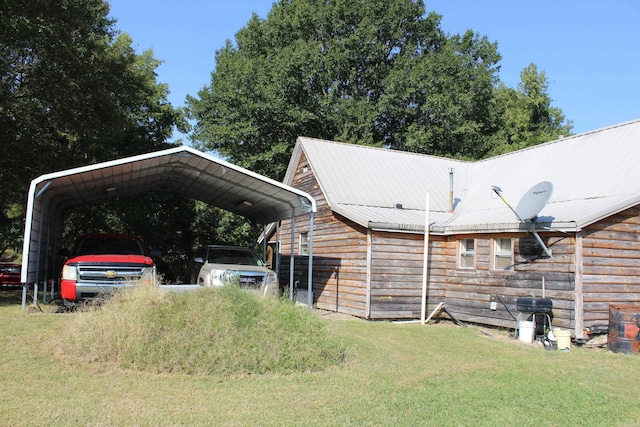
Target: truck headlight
column 69, row 272
column 148, row 275
column 217, row 277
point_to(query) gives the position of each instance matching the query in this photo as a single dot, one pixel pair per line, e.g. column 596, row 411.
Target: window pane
column 503, row 255
column 503, row 246
column 467, row 253
column 467, row 246
column 503, row 262
column 466, row 261
column 304, row 243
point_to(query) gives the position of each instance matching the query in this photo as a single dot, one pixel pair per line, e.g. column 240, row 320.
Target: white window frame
column 303, row 244
column 502, row 255
column 464, row 254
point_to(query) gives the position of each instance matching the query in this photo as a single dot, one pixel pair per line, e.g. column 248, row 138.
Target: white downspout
column 425, row 263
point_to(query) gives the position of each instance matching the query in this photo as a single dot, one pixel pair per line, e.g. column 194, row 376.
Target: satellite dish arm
column 540, row 242
column 546, row 188
column 498, row 191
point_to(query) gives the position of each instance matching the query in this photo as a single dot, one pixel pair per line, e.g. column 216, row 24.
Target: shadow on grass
column 11, row 295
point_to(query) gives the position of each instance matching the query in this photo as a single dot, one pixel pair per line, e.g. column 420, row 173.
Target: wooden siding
column 397, row 274
column 339, row 253
column 611, row 265
column 470, row 291
column 396, row 285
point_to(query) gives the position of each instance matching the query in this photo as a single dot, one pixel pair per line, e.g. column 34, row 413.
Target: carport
column 182, row 170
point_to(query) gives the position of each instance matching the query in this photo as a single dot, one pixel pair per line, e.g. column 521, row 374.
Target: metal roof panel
column 181, row 169
column 594, row 175
column 367, row 176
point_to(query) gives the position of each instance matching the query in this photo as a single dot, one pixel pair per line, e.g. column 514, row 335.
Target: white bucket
column 526, row 330
column 563, row 336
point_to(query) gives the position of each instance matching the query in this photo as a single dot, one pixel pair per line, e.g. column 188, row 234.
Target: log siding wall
column 469, row 292
column 397, row 270
column 611, row 265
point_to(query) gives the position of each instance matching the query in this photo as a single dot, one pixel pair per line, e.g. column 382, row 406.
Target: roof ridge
column 561, row 139
column 383, row 149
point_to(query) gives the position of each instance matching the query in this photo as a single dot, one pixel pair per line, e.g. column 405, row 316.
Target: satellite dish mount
column 530, row 206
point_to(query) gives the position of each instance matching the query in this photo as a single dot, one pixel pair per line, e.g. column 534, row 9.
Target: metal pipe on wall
column 425, row 263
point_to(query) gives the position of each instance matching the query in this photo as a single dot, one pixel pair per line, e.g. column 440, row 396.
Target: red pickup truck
column 10, row 274
column 100, row 263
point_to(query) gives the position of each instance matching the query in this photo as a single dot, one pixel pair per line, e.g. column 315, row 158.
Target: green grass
column 393, row 375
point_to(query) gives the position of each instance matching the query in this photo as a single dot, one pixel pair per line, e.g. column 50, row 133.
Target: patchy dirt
column 501, row 334
column 335, row 316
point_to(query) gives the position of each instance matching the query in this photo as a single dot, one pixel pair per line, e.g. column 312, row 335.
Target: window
column 467, row 253
column 502, row 254
column 234, row 256
column 303, row 244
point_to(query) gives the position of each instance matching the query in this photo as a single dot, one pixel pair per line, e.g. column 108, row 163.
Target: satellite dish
column 530, row 206
column 534, row 200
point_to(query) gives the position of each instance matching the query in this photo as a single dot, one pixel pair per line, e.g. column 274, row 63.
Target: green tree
column 374, row 72
column 442, row 101
column 72, row 92
column 527, row 115
column 213, row 225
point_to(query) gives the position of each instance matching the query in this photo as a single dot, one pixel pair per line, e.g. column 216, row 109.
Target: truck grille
column 251, row 280
column 105, row 275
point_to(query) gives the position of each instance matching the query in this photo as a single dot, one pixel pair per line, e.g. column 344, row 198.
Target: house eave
column 563, row 227
column 514, row 227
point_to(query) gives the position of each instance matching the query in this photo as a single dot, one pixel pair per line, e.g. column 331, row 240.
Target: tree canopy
column 373, row 72
column 527, row 115
column 72, row 92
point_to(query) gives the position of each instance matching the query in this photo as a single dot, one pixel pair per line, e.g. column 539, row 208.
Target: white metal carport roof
column 182, row 170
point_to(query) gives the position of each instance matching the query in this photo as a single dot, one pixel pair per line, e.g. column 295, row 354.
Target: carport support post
column 24, row 296
column 46, row 269
column 27, row 243
column 35, row 285
column 291, row 257
column 310, row 269
column 264, row 243
column 277, row 249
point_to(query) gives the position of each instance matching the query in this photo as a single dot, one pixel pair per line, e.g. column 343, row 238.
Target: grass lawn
column 394, row 375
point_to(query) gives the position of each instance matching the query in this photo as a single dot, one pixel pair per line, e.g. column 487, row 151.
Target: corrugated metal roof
column 180, row 169
column 594, row 175
column 389, row 218
column 366, row 176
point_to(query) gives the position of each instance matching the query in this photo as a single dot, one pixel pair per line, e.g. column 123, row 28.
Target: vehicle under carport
column 183, row 170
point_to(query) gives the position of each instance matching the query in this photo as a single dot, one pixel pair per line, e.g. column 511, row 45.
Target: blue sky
column 590, row 50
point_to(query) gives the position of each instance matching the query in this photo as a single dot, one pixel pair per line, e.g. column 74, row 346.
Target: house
column 369, row 239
